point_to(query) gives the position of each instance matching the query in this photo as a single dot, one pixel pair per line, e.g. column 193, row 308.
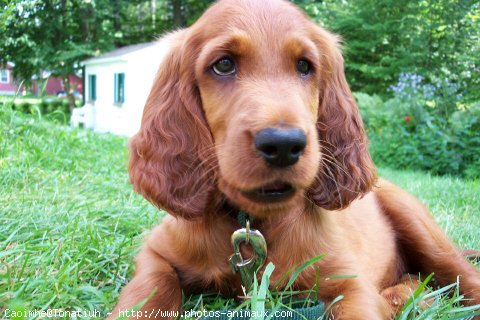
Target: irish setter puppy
column 251, row 111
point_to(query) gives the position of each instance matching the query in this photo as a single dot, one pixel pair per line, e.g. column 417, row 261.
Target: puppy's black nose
column 280, row 147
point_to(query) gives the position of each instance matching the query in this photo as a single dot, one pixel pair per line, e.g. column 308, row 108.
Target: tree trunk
column 117, row 26
column 178, row 18
column 70, row 96
column 153, row 12
column 42, row 86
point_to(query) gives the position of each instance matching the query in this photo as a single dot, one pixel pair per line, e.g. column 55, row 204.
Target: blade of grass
column 299, row 270
column 259, row 299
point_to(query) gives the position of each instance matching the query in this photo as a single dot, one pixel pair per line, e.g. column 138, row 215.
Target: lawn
column 70, row 223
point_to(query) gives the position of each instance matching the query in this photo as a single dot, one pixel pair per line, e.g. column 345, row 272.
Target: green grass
column 70, row 223
column 453, row 201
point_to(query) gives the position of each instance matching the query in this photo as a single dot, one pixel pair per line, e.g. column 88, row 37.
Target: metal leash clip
column 247, row 268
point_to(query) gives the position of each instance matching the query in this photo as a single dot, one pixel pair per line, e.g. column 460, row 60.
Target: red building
column 7, row 83
column 55, row 85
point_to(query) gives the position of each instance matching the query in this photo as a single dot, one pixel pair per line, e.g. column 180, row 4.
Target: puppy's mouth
column 272, row 192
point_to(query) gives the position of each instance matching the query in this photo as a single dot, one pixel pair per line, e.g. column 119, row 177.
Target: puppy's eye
column 224, row 67
column 304, row 67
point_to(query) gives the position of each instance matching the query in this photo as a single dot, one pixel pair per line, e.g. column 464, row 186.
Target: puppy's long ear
column 346, row 171
column 171, row 163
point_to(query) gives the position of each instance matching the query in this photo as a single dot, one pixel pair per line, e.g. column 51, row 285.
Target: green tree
column 53, row 35
column 436, row 38
column 56, row 35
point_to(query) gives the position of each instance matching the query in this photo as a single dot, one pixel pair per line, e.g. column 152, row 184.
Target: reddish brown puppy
column 250, row 110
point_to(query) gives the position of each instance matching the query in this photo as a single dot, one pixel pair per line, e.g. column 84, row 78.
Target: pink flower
column 408, row 118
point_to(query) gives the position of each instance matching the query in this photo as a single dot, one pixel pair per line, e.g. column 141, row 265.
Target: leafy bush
column 25, row 107
column 52, row 108
column 423, row 127
column 466, row 126
column 371, row 107
column 49, row 105
column 55, row 109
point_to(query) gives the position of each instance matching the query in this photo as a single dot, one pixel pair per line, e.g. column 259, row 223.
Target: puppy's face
column 259, row 87
column 251, row 102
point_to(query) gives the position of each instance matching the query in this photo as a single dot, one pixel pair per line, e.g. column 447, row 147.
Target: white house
column 117, row 85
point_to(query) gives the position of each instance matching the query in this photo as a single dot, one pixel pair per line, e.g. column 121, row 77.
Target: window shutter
column 115, row 88
column 119, row 87
column 122, row 87
column 92, row 87
column 94, row 84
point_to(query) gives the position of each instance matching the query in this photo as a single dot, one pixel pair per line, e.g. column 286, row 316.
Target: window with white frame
column 4, row 76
